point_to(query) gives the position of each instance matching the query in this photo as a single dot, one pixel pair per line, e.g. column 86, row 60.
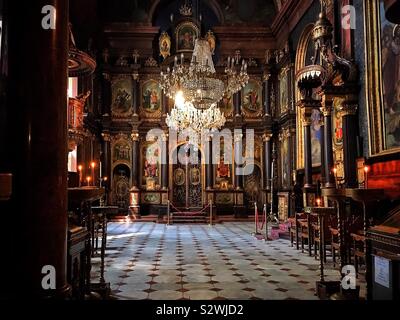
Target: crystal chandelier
column 185, row 116
column 199, row 81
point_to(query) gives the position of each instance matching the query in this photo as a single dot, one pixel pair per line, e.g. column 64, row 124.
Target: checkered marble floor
column 159, row 262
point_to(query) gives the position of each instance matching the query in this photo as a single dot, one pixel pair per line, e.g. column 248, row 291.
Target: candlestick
column 93, row 165
column 366, row 169
column 335, row 174
column 80, row 175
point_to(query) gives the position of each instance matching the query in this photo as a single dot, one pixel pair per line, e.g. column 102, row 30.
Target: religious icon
column 179, row 177
column 186, row 35
column 122, row 152
column 210, row 37
column 223, row 169
column 122, row 96
column 252, row 97
column 195, row 176
column 316, row 137
column 165, row 45
column 226, row 105
column 151, row 96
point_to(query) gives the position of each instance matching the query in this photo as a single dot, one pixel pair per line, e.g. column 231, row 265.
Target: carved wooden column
column 348, row 111
column 267, row 161
column 136, row 95
column 306, row 111
column 135, row 160
column 267, row 105
column 237, row 97
column 106, row 162
column 37, row 150
column 238, row 167
column 209, row 164
column 165, row 162
column 106, row 95
column 327, row 107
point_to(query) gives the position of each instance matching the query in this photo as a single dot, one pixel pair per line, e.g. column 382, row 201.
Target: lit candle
column 88, row 180
column 366, row 169
column 335, row 173
column 93, row 165
column 80, row 174
column 318, row 202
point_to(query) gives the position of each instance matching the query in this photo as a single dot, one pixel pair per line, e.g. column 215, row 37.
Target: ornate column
column 165, row 162
column 238, row 167
column 135, row 160
column 106, row 92
column 323, row 171
column 267, row 105
column 327, row 107
column 209, row 164
column 136, row 94
column 37, row 150
column 306, row 110
column 348, row 110
column 106, row 162
column 267, row 160
column 237, row 97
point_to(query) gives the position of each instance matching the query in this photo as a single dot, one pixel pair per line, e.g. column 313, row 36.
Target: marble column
column 328, row 146
column 135, row 160
column 37, row 150
column 267, row 161
column 209, row 165
column 165, row 163
column 348, row 113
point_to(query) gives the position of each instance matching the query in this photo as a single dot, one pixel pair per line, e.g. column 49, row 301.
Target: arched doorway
column 186, row 177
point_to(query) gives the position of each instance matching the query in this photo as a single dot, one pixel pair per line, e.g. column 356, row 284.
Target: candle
column 80, row 174
column 88, row 180
column 366, row 169
column 93, row 165
column 335, row 173
column 318, row 202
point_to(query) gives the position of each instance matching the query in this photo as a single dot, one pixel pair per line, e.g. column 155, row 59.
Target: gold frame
column 178, row 29
column 156, row 114
column 374, row 89
column 252, row 115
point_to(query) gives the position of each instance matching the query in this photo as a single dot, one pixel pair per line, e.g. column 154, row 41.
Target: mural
column 390, row 41
column 151, row 96
column 252, row 98
column 250, row 11
column 122, row 97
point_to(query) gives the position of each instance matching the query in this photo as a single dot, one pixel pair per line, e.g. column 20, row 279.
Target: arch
column 213, row 4
column 300, row 63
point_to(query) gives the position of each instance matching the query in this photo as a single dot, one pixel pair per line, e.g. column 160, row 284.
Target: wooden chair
column 335, row 246
column 358, row 249
column 294, row 228
column 306, row 232
column 328, row 223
